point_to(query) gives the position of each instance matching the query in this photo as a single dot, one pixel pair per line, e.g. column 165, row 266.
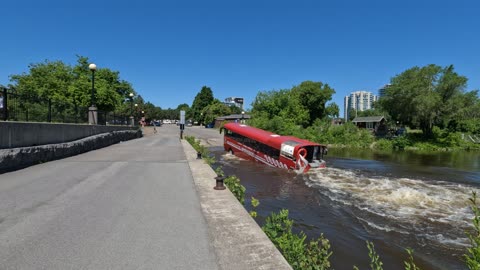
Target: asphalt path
column 209, row 136
column 131, row 205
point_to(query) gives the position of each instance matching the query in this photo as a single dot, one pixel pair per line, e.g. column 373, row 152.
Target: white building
column 358, row 101
column 234, row 101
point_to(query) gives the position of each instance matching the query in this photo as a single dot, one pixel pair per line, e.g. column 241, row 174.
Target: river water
column 396, row 200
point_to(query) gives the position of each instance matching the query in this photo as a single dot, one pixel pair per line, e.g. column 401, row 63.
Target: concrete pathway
column 128, row 206
column 142, row 204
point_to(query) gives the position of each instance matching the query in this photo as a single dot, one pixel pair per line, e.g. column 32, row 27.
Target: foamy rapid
column 403, row 205
column 231, row 157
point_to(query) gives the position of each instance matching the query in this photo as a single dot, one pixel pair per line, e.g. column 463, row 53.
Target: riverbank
column 400, row 180
column 238, row 240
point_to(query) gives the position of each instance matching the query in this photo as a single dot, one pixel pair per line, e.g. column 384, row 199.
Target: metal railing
column 17, row 107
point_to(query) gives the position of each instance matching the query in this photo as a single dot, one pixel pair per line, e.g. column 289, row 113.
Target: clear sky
column 168, row 50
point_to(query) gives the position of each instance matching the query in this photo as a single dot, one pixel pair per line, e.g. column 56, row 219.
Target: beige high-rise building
column 359, row 101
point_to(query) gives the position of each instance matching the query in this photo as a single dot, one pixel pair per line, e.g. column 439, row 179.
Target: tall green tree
column 424, row 97
column 70, row 87
column 215, row 110
column 46, row 83
column 278, row 111
column 313, row 96
column 467, row 117
column 202, row 100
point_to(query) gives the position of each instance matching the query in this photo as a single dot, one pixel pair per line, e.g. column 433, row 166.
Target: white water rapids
column 435, row 210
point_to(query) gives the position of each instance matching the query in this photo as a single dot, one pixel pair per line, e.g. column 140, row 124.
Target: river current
column 396, row 200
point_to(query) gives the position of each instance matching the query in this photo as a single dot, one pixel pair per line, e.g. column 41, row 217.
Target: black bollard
column 199, row 155
column 219, row 183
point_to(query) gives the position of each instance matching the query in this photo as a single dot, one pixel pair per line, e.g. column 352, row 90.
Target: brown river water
column 396, row 200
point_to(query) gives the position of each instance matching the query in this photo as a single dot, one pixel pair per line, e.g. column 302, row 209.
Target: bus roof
column 264, row 136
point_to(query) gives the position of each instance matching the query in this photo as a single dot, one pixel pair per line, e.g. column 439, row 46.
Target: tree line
column 430, row 98
column 67, row 90
column 426, row 98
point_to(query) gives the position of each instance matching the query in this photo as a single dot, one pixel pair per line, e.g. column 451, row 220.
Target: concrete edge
column 18, row 158
column 238, row 241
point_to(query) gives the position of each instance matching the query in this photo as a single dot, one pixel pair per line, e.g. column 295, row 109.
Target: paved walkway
column 141, row 204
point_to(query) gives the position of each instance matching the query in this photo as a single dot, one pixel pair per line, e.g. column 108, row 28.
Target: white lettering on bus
column 265, row 159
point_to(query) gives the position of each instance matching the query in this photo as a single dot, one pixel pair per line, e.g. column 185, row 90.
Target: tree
column 202, row 100
column 425, row 97
column 313, row 96
column 352, row 113
column 69, row 88
column 467, row 118
column 150, row 112
column 110, row 90
column 46, row 83
column 278, row 111
column 332, row 110
column 215, row 110
column 183, row 107
column 235, row 110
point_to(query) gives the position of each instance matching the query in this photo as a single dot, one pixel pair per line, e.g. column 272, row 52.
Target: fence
column 16, row 107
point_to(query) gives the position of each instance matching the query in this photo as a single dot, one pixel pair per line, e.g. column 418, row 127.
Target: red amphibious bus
column 285, row 152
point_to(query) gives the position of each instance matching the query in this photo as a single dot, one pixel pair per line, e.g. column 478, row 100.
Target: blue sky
column 168, row 50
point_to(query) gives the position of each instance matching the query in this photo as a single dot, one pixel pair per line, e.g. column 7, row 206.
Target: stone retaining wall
column 23, row 134
column 16, row 158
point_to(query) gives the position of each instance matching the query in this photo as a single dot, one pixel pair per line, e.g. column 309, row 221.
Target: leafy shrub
column 200, row 149
column 400, row 143
column 410, row 265
column 312, row 256
column 255, row 203
column 384, row 144
column 472, row 257
column 238, row 190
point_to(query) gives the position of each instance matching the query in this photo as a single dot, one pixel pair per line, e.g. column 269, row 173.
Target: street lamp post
column 132, row 122
column 3, row 104
column 136, row 107
column 243, row 116
column 92, row 115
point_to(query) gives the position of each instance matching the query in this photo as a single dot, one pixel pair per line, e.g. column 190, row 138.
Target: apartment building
column 358, row 101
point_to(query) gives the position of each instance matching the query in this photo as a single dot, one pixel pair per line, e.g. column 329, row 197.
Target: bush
column 384, row 144
column 472, row 258
column 312, row 256
column 400, row 143
column 200, row 149
column 238, row 190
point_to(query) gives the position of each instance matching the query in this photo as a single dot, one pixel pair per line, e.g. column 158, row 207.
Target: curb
column 238, row 241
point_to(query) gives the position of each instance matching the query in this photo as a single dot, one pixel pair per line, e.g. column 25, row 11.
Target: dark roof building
column 377, row 124
column 368, row 119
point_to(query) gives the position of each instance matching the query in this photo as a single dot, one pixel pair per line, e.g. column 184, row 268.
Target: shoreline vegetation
column 350, row 136
column 411, row 141
column 430, row 103
column 314, row 254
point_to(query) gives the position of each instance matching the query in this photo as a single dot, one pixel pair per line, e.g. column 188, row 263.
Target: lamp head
column 92, row 67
